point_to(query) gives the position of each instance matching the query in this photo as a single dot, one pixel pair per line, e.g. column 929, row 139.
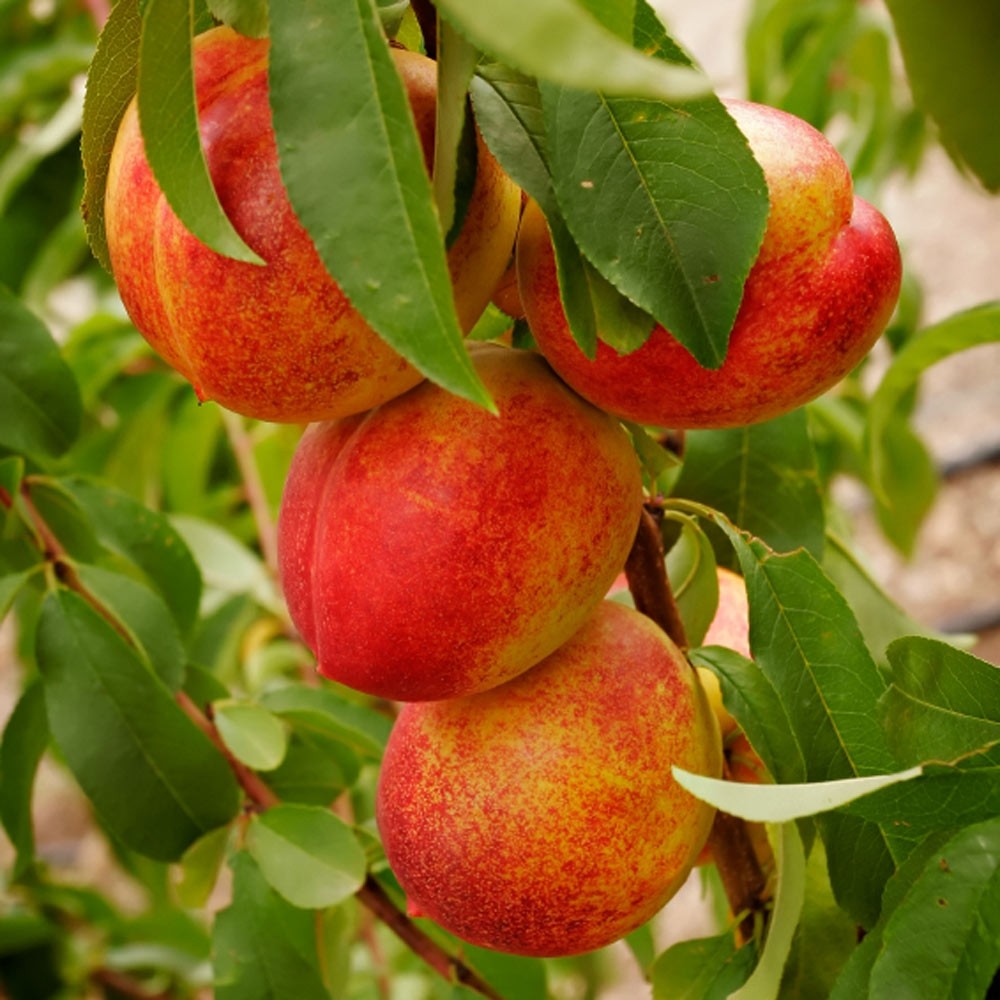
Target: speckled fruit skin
column 819, row 294
column 431, row 549
column 541, row 818
column 279, row 342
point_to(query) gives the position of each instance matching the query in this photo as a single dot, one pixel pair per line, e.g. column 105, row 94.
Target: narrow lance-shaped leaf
column 980, row 325
column 111, row 85
column 169, row 121
column 25, row 737
column 155, row 778
column 935, row 39
column 562, row 41
column 360, row 143
column 943, row 940
column 40, row 408
column 806, row 640
column 262, row 946
column 702, row 969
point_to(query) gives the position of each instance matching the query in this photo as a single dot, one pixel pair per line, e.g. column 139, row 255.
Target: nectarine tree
column 354, row 709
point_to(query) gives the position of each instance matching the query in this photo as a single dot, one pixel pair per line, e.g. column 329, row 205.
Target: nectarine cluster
column 457, row 561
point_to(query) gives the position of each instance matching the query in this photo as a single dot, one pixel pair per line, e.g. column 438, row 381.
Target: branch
column 371, row 894
column 729, row 841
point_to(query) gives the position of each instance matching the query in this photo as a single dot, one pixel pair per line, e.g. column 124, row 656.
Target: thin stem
column 253, row 488
column 374, row 896
column 648, row 583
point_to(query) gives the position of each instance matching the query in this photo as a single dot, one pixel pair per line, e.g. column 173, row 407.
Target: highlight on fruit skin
column 540, row 817
column 429, row 549
column 278, row 342
column 820, row 293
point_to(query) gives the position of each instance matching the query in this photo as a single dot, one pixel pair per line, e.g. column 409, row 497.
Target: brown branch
column 376, row 899
column 647, row 580
column 732, row 850
column 426, row 16
column 125, row 986
column 371, row 894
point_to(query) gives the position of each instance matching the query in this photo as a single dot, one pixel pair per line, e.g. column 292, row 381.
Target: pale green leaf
column 251, row 733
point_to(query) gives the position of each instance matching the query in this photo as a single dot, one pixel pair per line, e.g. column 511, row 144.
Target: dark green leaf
column 808, row 644
column 935, row 39
column 943, row 939
column 561, row 41
column 264, row 948
column 169, row 122
column 702, row 969
column 110, row 86
column 668, row 204
column 155, row 779
column 140, row 613
column 147, row 540
column 763, row 477
column 40, row 406
column 25, row 737
column 307, row 854
column 508, row 111
column 315, row 771
column 11, row 476
column 363, row 144
column 510, row 975
column 942, row 704
column 752, row 701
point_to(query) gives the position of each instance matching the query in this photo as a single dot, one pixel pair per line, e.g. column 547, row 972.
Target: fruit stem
column 732, row 850
column 646, row 573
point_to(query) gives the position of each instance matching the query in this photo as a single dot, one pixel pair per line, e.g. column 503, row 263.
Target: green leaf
column 942, row 704
column 360, row 727
column 40, row 407
column 702, row 969
column 363, row 145
column 694, row 579
column 763, row 478
column 667, row 202
column 248, row 17
column 251, row 734
column 786, row 802
column 169, row 121
column 147, row 540
column 10, row 587
column 141, row 614
column 824, row 939
column 226, row 563
column 508, row 109
column 980, row 325
column 880, row 619
column 943, row 939
column 655, row 458
column 25, row 737
column 946, row 797
column 789, row 897
column 199, row 866
column 307, row 854
column 263, row 948
column 937, row 38
column 908, row 484
column 156, row 780
column 807, row 642
column 561, row 41
column 510, row 975
column 111, row 85
column 11, row 476
column 315, row 770
column 752, row 700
